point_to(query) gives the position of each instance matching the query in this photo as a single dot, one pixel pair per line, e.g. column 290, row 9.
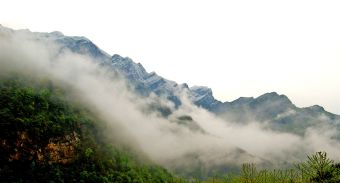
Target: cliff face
column 57, row 150
column 62, row 150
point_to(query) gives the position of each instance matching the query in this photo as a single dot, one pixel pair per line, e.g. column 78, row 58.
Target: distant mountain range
column 271, row 108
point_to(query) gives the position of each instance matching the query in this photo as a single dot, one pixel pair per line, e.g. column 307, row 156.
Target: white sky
column 238, row 48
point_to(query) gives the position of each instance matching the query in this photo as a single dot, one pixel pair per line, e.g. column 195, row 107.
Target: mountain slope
column 277, row 110
column 46, row 138
column 182, row 137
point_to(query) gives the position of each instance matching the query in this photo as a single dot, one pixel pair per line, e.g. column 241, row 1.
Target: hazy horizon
column 236, row 48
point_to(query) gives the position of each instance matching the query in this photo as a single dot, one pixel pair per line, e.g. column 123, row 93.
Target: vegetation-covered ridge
column 46, row 138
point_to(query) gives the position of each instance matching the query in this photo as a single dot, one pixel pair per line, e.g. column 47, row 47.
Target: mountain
column 47, row 138
column 276, row 110
column 59, row 122
column 264, row 107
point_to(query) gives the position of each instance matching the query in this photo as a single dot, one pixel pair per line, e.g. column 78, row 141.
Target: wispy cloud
column 132, row 122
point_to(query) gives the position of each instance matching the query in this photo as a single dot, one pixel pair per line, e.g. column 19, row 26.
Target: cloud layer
column 189, row 136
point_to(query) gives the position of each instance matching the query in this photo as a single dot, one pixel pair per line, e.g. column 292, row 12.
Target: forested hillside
column 46, row 138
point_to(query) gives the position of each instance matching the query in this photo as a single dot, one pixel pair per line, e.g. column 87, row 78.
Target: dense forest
column 44, row 137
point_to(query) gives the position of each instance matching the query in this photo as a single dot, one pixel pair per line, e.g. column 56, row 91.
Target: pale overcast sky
column 238, row 48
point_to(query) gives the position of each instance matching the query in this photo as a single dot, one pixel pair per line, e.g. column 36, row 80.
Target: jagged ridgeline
column 47, row 137
column 72, row 113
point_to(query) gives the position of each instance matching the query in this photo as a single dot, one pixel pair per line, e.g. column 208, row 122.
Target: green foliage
column 250, row 174
column 319, row 168
column 42, row 110
column 88, row 152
